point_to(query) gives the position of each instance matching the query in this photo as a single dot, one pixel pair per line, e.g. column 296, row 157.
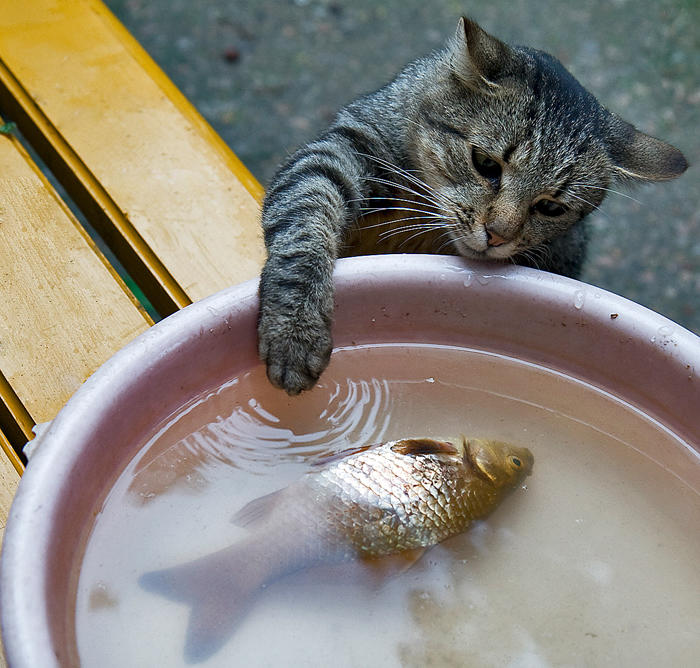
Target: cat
column 484, row 150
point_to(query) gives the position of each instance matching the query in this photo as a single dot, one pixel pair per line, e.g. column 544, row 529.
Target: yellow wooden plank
column 120, row 122
column 145, row 267
column 63, row 309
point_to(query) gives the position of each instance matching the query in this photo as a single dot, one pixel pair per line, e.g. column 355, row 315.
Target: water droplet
column 579, row 298
column 455, row 268
column 664, row 336
column 467, row 280
column 483, row 279
column 430, row 380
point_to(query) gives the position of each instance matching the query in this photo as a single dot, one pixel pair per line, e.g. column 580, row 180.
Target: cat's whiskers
column 433, row 195
column 370, row 210
column 595, row 207
column 585, row 201
column 411, row 174
column 396, row 199
column 610, row 190
column 429, row 220
column 393, row 221
column 394, row 184
column 536, row 254
column 453, row 240
column 449, row 240
column 528, row 254
column 412, row 237
column 400, row 171
column 421, row 227
column 417, row 229
column 400, row 230
column 416, row 123
column 544, row 250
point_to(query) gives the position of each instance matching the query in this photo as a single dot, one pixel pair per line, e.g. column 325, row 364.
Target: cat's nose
column 494, row 239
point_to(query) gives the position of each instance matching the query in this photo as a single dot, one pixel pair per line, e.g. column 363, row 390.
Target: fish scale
column 421, row 498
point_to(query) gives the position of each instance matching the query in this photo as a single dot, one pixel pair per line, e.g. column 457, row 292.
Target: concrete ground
column 269, row 75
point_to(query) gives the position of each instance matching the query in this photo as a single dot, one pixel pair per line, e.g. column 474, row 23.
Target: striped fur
column 482, row 149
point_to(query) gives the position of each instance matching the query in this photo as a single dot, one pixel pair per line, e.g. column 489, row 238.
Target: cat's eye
column 486, row 166
column 548, row 207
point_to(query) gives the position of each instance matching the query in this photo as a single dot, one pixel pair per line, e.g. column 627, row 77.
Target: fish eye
column 516, row 462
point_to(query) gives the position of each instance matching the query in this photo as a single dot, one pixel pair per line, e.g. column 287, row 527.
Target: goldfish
column 396, row 498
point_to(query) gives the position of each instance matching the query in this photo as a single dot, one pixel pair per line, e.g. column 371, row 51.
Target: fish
column 394, row 499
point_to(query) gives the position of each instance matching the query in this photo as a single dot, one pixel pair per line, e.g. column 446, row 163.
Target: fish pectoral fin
column 391, row 565
column 256, row 510
column 424, row 446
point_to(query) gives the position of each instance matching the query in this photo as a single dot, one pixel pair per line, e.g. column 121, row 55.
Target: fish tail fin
column 219, row 591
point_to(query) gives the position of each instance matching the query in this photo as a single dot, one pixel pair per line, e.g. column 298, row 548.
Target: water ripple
column 261, row 433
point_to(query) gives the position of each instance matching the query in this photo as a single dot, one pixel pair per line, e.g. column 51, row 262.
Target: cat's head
column 517, row 150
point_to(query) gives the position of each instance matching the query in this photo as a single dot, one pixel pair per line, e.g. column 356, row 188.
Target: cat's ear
column 478, row 58
column 640, row 156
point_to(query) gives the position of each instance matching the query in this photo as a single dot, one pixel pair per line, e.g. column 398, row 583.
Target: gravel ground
column 270, row 74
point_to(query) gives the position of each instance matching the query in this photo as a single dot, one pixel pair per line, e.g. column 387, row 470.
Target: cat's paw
column 295, row 351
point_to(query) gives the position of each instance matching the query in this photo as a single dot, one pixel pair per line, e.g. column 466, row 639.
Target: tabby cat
column 483, row 149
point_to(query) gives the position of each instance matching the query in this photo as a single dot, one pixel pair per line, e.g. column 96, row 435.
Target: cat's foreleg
column 306, row 211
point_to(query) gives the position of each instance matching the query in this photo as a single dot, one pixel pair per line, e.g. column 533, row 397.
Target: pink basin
column 581, row 330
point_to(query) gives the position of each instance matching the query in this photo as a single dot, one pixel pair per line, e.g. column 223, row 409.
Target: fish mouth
column 528, row 460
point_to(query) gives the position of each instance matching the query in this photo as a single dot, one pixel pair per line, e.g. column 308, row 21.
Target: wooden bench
column 171, row 201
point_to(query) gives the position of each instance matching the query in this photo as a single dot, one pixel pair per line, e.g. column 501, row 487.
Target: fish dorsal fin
column 256, row 510
column 423, row 446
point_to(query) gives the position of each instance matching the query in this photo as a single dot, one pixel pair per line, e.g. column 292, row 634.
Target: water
column 592, row 562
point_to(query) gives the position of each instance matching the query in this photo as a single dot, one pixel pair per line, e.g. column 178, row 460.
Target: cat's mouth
column 489, row 253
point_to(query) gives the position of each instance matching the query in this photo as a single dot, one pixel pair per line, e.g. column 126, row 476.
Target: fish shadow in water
column 217, row 605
